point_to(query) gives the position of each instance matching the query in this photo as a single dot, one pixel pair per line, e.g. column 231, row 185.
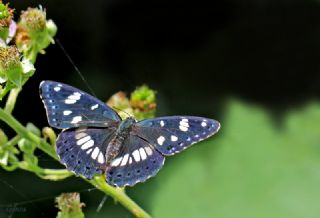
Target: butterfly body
column 122, row 132
column 95, row 140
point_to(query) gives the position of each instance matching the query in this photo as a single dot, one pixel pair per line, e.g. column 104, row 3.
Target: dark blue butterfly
column 95, row 140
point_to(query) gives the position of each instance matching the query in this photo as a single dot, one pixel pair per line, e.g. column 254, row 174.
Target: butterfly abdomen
column 114, row 148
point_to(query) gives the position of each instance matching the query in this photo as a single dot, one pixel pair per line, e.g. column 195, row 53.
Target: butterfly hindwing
column 137, row 161
column 173, row 134
column 83, row 150
column 69, row 107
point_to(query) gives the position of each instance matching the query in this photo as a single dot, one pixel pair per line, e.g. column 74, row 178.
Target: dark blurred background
column 196, row 55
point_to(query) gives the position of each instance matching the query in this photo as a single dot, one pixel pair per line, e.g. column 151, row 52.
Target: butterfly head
column 126, row 124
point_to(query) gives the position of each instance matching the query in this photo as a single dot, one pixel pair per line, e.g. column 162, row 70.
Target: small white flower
column 3, row 79
column 27, row 66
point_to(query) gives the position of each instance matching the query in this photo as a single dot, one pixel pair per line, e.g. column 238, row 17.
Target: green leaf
column 32, row 128
column 15, row 76
column 251, row 168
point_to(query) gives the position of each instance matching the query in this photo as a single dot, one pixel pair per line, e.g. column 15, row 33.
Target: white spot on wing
column 174, row 138
column 148, row 150
column 57, row 88
column 183, row 128
column 160, row 140
column 76, row 119
column 162, row 123
column 73, row 98
column 94, row 107
column 124, row 160
column 80, row 135
column 67, row 112
column 95, row 153
column 136, row 155
column 83, row 140
column 87, row 144
column 130, row 160
column 142, row 154
column 203, row 124
column 100, row 158
column 70, row 101
column 89, row 151
column 184, row 122
column 184, row 125
column 116, row 162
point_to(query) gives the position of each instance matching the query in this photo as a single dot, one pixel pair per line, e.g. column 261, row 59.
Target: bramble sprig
column 141, row 105
column 32, row 34
column 69, row 205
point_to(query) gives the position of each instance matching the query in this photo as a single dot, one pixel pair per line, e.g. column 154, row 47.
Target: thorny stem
column 117, row 193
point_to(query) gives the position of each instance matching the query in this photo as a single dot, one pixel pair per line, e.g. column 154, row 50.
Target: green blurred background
column 252, row 65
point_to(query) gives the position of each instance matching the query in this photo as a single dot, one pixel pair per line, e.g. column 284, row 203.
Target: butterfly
column 95, row 140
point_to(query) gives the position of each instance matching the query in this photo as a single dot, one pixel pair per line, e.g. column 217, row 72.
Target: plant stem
column 49, row 174
column 12, row 141
column 11, row 101
column 24, row 133
column 117, row 193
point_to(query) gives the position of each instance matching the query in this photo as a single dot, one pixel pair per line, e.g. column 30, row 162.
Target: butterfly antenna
column 74, row 66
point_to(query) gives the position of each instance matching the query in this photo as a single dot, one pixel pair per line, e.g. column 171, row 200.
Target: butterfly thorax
column 122, row 132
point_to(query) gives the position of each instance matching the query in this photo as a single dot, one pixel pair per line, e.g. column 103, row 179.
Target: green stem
column 24, row 133
column 12, row 141
column 49, row 174
column 100, row 183
column 11, row 101
column 119, row 195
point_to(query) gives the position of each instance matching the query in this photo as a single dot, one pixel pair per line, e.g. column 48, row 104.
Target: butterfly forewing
column 68, row 107
column 173, row 134
column 83, row 150
column 137, row 161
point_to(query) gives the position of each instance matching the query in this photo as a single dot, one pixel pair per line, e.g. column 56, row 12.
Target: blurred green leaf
column 251, row 168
